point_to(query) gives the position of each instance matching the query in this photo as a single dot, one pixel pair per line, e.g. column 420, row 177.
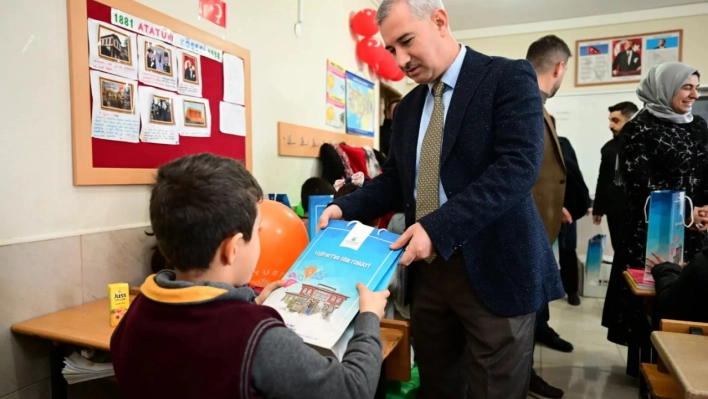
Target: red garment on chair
column 357, row 159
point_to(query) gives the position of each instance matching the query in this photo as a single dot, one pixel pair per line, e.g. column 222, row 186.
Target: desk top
column 635, row 289
column 89, row 326
column 685, row 357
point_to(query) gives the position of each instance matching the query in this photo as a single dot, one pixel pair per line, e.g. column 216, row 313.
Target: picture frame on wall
column 624, row 59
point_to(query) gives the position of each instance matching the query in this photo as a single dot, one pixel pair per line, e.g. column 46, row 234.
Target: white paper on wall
column 159, row 113
column 115, row 114
column 157, row 64
column 197, row 117
column 112, row 50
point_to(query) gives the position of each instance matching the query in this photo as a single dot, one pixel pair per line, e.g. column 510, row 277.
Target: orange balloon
column 283, row 238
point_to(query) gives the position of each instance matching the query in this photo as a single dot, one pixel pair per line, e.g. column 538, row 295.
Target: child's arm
column 284, row 366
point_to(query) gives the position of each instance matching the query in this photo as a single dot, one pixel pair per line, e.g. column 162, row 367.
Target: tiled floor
column 595, row 369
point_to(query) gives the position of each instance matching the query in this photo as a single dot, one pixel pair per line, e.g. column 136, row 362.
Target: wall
column 288, row 80
column 515, row 46
column 59, row 244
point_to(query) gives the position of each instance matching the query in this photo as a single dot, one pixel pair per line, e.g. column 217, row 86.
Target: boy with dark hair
column 193, row 334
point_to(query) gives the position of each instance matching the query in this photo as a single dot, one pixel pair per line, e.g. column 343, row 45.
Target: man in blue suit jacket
column 474, row 304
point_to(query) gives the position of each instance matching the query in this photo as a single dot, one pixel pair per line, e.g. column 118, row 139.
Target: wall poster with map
column 361, row 106
column 624, row 59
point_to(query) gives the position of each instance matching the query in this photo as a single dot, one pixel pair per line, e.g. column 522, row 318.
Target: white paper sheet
column 234, row 83
column 112, row 50
column 159, row 112
column 190, row 73
column 116, row 103
column 157, row 64
column 232, row 119
column 197, row 117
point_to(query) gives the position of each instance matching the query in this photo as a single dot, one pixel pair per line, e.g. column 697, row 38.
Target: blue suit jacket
column 491, row 156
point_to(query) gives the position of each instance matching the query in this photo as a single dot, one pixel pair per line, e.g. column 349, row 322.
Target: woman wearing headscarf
column 663, row 147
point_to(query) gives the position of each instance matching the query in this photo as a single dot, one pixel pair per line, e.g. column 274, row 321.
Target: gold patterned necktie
column 428, row 195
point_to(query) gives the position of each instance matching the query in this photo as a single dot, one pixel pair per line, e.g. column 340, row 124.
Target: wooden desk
column 88, row 326
column 685, row 358
column 635, row 289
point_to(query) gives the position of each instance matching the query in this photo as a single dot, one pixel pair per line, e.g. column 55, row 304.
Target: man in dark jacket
column 385, row 131
column 609, row 197
column 577, row 203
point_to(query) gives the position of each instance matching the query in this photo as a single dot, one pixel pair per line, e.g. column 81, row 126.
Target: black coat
column 577, row 196
column 609, row 197
column 681, row 294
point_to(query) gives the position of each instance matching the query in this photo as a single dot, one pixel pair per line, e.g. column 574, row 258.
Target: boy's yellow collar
column 186, row 295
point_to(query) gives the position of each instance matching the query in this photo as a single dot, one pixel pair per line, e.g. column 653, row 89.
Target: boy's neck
column 197, row 276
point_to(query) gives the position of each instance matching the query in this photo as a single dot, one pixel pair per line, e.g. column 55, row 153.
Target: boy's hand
column 267, row 290
column 372, row 301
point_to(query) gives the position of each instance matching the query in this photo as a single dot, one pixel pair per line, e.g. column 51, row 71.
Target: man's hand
column 332, row 212
column 597, row 219
column 419, row 245
column 589, row 212
column 700, row 218
column 369, row 301
column 566, row 217
column 267, row 291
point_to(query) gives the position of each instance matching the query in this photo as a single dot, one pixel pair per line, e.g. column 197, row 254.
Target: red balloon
column 370, row 51
column 283, row 238
column 387, row 67
column 399, row 76
column 364, row 23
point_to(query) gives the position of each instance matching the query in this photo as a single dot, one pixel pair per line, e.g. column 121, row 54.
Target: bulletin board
column 98, row 161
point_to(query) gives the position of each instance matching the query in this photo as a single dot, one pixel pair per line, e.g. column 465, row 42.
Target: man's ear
column 558, row 70
column 229, row 249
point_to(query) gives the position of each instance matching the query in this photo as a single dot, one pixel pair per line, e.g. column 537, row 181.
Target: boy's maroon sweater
column 188, row 342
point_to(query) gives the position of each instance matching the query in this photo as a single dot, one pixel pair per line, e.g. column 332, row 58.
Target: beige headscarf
column 660, row 85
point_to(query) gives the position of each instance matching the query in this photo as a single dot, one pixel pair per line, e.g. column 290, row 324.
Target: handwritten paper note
column 197, row 117
column 234, row 80
column 157, row 64
column 159, row 113
column 232, row 119
column 112, row 50
column 189, row 73
column 115, row 108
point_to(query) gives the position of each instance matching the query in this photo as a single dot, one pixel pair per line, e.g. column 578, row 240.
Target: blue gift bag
column 666, row 220
column 317, row 205
column 593, row 283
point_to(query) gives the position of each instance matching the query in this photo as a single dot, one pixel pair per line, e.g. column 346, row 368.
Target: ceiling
column 475, row 14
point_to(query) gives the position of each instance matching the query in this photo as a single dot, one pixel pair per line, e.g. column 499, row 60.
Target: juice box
column 119, row 298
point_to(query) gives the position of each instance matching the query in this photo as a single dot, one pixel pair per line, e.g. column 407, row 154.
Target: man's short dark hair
column 627, row 108
column 197, row 202
column 314, row 186
column 546, row 52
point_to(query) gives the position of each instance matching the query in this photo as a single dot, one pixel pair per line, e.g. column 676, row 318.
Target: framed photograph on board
column 624, row 59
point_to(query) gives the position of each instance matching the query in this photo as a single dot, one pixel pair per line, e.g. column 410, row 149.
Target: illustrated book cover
column 320, row 298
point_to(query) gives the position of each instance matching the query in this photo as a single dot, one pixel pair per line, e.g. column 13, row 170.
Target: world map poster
column 361, row 105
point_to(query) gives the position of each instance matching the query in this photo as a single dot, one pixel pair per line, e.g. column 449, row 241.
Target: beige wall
column 288, row 82
column 61, row 245
column 695, row 31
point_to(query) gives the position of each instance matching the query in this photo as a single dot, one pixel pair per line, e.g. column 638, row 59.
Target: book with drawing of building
column 320, row 298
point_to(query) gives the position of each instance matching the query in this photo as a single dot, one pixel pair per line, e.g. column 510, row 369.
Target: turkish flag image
column 593, row 50
column 214, row 11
